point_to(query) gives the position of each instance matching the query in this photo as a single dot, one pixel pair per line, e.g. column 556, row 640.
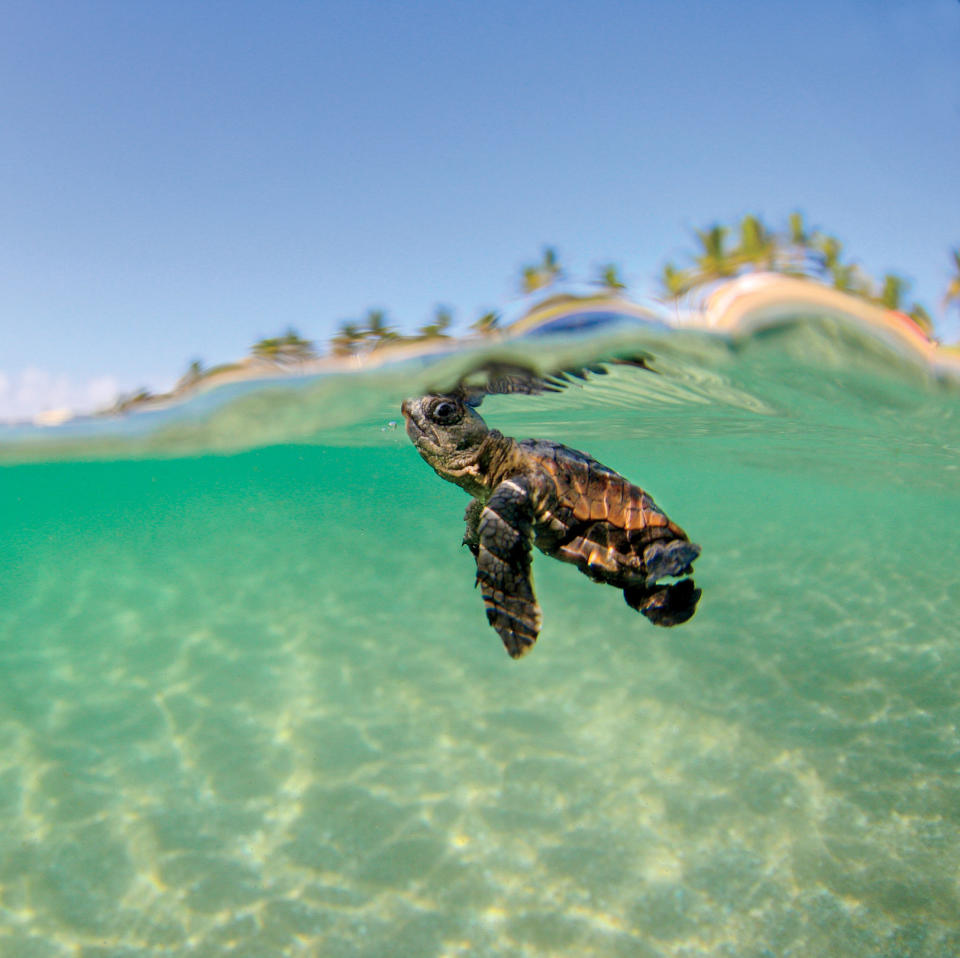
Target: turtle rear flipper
column 662, row 559
column 669, row 605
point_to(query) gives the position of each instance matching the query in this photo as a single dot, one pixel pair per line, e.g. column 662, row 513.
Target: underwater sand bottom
column 261, row 753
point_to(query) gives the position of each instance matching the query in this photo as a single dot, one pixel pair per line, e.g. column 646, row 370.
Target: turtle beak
column 414, row 428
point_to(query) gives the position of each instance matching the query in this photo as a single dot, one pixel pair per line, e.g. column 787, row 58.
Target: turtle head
column 450, row 436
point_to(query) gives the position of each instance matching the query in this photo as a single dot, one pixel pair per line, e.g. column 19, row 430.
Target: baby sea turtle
column 562, row 501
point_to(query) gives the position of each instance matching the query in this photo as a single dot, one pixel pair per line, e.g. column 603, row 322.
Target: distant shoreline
column 734, row 307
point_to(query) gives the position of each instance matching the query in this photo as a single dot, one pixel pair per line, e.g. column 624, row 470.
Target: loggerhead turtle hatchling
column 563, row 501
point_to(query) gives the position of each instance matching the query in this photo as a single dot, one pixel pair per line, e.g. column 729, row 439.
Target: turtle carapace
column 571, row 507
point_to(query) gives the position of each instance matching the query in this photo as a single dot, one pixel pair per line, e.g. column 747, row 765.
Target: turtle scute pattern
column 576, row 510
column 599, row 520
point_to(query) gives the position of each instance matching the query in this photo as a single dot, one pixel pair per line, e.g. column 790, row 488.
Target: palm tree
column 376, row 328
column 675, row 282
column 347, row 339
column 828, row 250
column 295, row 349
column 893, row 290
column 796, row 258
column 847, row 278
column 713, row 261
column 195, row 372
column 443, row 317
column 542, row 274
column 757, row 244
column 487, row 324
column 288, row 348
column 799, row 236
column 267, row 348
column 610, row 279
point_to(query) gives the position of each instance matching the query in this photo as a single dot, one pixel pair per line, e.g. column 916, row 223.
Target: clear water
column 250, row 705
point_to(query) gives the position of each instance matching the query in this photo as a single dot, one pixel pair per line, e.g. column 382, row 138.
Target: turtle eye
column 446, row 412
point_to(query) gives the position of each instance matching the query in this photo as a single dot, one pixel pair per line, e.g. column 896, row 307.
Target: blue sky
column 182, row 178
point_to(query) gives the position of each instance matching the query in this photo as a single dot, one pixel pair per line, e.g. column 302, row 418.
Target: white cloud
column 33, row 391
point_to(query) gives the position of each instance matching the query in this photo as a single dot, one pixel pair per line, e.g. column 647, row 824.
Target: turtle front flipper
column 505, row 532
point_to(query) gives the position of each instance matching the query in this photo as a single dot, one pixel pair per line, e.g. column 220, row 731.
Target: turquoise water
column 250, row 705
